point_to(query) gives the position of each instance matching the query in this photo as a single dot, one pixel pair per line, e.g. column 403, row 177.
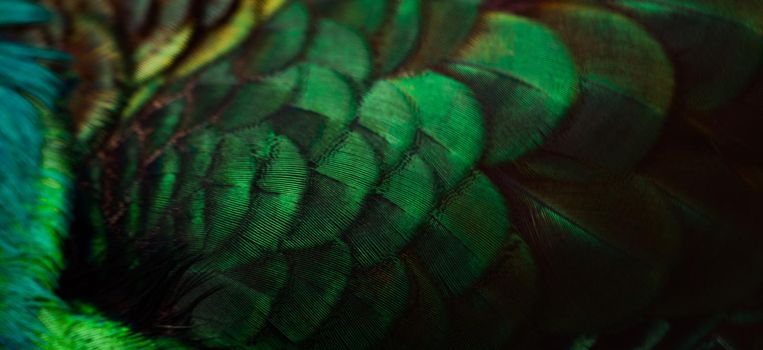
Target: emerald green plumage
column 383, row 173
column 522, row 99
column 454, row 249
column 387, row 119
column 619, row 112
column 337, row 47
column 279, row 41
column 399, row 38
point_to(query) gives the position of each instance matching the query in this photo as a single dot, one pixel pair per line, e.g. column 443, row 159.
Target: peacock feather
column 356, row 174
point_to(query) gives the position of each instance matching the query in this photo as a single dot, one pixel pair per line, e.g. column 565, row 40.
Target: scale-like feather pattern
column 523, row 100
column 424, row 173
column 279, row 41
column 626, row 87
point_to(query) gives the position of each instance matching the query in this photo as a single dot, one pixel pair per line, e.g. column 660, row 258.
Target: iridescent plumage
column 405, row 174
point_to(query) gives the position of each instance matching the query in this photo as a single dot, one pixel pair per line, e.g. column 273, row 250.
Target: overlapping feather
column 354, row 174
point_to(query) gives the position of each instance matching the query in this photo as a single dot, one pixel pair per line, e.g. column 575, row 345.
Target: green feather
column 331, row 98
column 393, row 174
column 704, row 36
column 445, row 26
column 399, row 38
column 341, row 49
column 388, row 120
column 523, row 100
column 280, row 41
column 364, row 16
column 452, row 248
column 393, row 214
column 341, row 179
column 451, row 136
column 627, row 85
column 260, row 99
column 373, row 302
column 229, row 185
column 34, row 184
column 318, row 277
column 239, row 300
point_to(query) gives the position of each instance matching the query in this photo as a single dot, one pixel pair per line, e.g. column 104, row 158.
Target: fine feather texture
column 35, row 187
column 409, row 174
column 33, row 183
